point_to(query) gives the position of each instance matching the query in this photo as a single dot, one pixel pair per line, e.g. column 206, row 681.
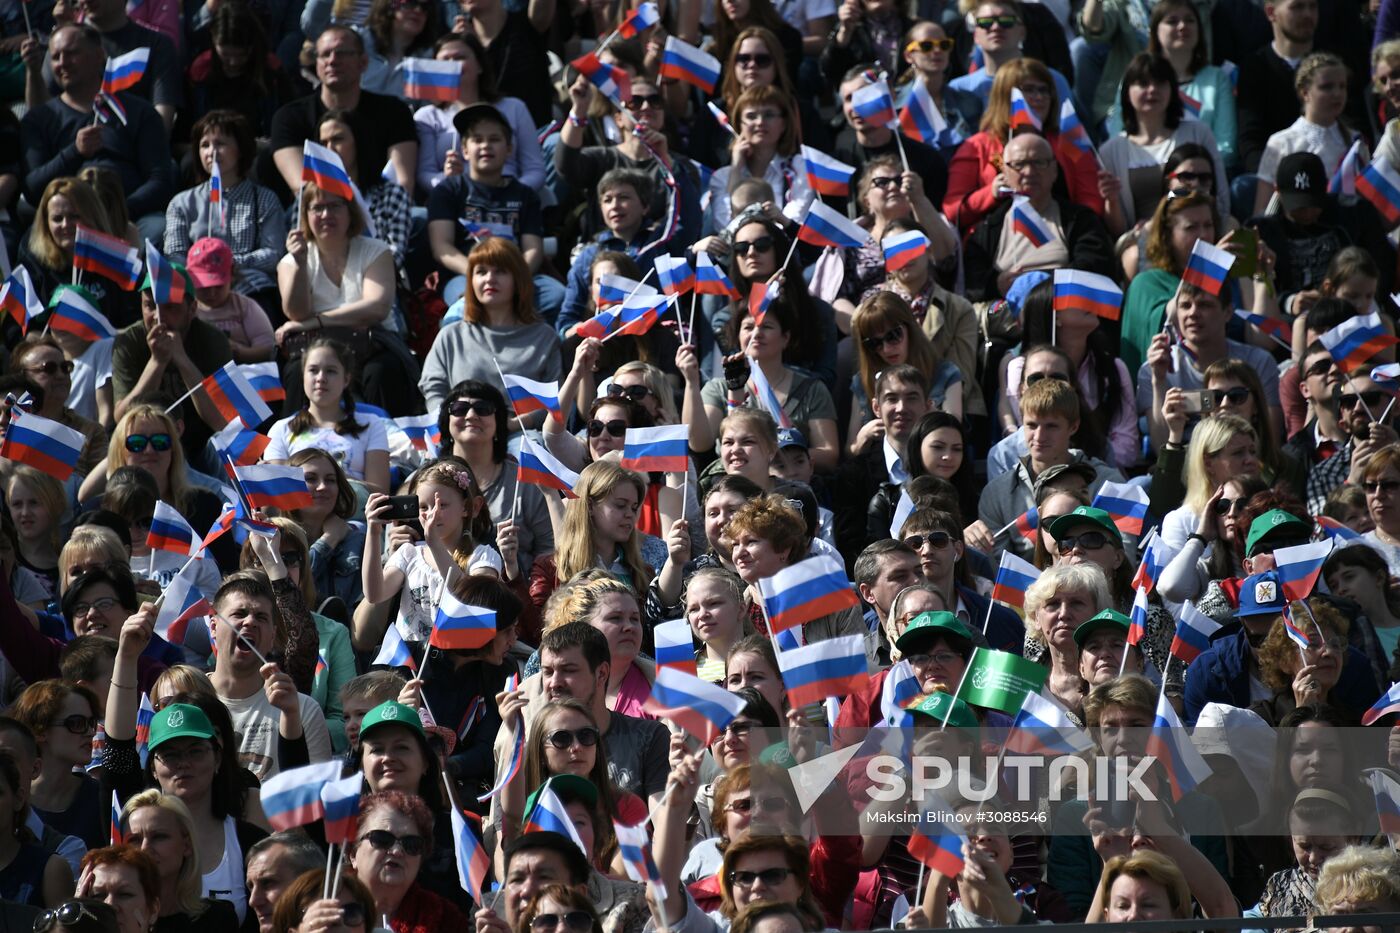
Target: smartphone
column 1199, row 401
column 1247, row 259
column 401, row 508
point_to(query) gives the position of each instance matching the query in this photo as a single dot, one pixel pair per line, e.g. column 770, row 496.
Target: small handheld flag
column 1044, row 727
column 1171, row 746
column 167, row 285
column 826, row 175
column 46, row 445
column 1154, row 560
column 1356, row 340
column 19, row 300
column 635, row 849
column 614, row 289
column 539, row 467
column 473, row 864
column 117, row 836
column 107, row 256
column 921, row 119
column 527, row 395
column 805, row 591
column 674, row 275
column 1270, row 326
column 430, row 79
column 169, row 531
column 710, row 278
column 832, row 667
column 234, row 396
column 293, row 798
column 1021, row 113
column 216, row 188
column 1014, row 577
column 424, row 432
column 321, row 167
column 662, row 449
column 1208, row 267
column 825, row 226
column 1193, row 632
column 460, row 626
column 265, row 380
column 181, row 604
column 873, row 104
column 340, row 805
column 1387, row 794
column 938, row 845
column 1343, row 181
column 549, row 815
column 1126, row 503
column 639, row 20
column 274, row 487
column 125, row 71
column 1072, row 131
column 675, row 646
column 763, row 391
column 74, row 313
column 394, row 651
column 1380, row 184
column 1387, row 704
column 1299, row 567
column 242, row 446
column 682, row 61
column 1026, row 221
column 612, row 81
column 1087, row 291
column 900, row 249
column 700, row 708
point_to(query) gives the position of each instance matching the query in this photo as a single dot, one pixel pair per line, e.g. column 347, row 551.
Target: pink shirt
column 632, row 693
column 242, row 320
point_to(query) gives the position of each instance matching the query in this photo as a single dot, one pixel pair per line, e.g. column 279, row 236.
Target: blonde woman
column 1321, row 85
column 1063, row 598
column 48, row 250
column 91, row 547
column 1159, row 883
column 748, row 442
column 161, row 826
column 714, row 608
column 37, row 503
column 1223, row 447
column 610, row 606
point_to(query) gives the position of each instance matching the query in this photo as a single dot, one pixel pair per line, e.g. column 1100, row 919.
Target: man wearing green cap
column 167, row 353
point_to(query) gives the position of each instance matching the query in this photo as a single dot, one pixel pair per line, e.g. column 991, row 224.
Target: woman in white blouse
column 765, row 117
column 1321, row 83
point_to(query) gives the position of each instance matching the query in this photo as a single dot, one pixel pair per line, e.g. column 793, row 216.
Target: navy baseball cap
column 1261, row 594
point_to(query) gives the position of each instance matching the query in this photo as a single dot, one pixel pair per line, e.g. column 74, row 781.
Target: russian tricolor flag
column 1021, row 112
column 1170, row 744
column 220, row 527
column 549, row 816
column 1126, row 503
column 612, row 81
column 107, row 256
column 938, row 845
column 674, row 275
column 145, row 714
column 234, row 396
column 1208, row 267
column 642, row 18
column 274, row 487
column 826, row 175
column 167, row 286
column 832, row 667
column 901, row 249
column 323, row 168
column 684, row 62
column 1387, row 704
column 169, row 531
column 1026, row 220
column 700, row 708
column 1189, row 104
column 921, row 119
column 1387, row 793
column 1353, row 342
column 1014, row 577
column 710, row 278
column 824, row 226
column 1270, row 326
column 763, row 391
column 1380, row 184
column 73, row 313
column 424, row 432
column 46, row 445
column 901, row 687
column 473, row 864
column 394, row 651
column 181, row 603
column 1343, row 181
column 1387, row 376
column 125, row 71
column 1193, row 632
column 527, row 395
column 1291, row 629
column 243, row 446
column 720, row 117
column 117, row 837
column 1331, row 528
column 1072, row 131
column 430, row 79
column 675, row 646
column 539, row 467
column 1137, row 618
column 1087, row 291
column 459, row 626
column 761, row 295
column 517, row 753
column 340, row 805
column 257, row 526
column 1299, row 567
column 639, row 314
column 874, row 104
column 293, row 798
column 662, row 449
column 1044, row 727
column 20, row 301
column 614, row 289
column 635, row 849
column 1028, row 524
column 805, row 591
column 1154, row 560
column 265, row 379
column 216, row 187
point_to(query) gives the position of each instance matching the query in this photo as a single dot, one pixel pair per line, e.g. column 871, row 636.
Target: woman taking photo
column 160, row 826
column 394, row 839
column 336, row 541
column 63, row 718
column 1063, row 598
column 328, row 422
column 766, row 147
column 1321, row 85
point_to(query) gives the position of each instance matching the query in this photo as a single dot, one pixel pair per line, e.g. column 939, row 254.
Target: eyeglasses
column 758, row 116
column 66, row 914
column 635, row 393
column 1005, row 22
column 1194, row 178
column 384, row 841
column 1236, row 396
column 760, row 245
column 76, row 724
column 739, row 728
column 941, row 658
column 889, row 337
column 352, row 915
column 49, row 367
column 1026, row 165
column 1088, row 541
column 929, row 45
column 885, row 181
column 1375, row 487
column 578, row 920
column 136, row 443
column 291, row 559
column 1033, row 378
column 1225, row 506
column 101, row 605
column 771, row 877
column 460, row 408
column 639, row 101
column 937, row 540
column 327, row 207
column 616, row 427
column 753, row 60
column 1371, row 398
column 568, row 738
column 765, row 805
column 174, row 759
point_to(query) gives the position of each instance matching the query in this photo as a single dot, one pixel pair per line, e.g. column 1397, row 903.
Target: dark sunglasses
column 291, row 559
column 78, row 725
column 638, row 101
column 616, row 427
column 891, row 336
column 1320, row 368
column 1194, row 178
column 1371, row 398
column 763, row 244
column 460, row 408
column 771, row 877
column 765, row 805
column 67, row 914
column 579, row 921
column 567, row 738
column 49, row 367
column 739, row 728
column 938, row 540
column 1005, row 22
column 1386, row 486
column 383, row 840
column 929, row 45
column 136, row 443
column 635, row 393
column 1033, row 378
column 885, row 181
column 1089, row 541
column 1236, row 396
column 1225, row 506
column 756, row 59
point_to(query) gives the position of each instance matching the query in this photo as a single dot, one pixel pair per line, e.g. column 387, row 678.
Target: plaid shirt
column 256, row 230
column 389, row 206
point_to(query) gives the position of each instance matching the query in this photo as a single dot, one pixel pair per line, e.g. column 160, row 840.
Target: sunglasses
column 929, row 45
column 49, row 367
column 384, row 841
column 460, row 408
column 1225, row 506
column 771, row 877
column 763, row 244
column 1194, row 178
column 136, row 443
column 765, row 805
column 635, row 393
column 739, row 728
column 885, row 181
column 1236, row 396
column 616, row 427
column 77, row 725
column 889, row 337
column 1005, row 22
column 1088, row 541
column 291, row 559
column 638, row 101
column 938, row 540
column 1386, row 486
column 578, row 920
column 755, row 59
column 1033, row 378
column 173, row 758
column 568, row 738
column 1371, row 398
column 67, row 914
column 1320, row 368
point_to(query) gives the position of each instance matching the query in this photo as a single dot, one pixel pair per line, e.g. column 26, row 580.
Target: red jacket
column 971, row 196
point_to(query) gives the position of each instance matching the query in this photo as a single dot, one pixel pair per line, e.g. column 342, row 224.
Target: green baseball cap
column 1109, row 618
column 178, row 267
column 568, row 787
column 1276, row 522
column 180, row 721
column 926, row 627
column 392, row 713
column 81, row 292
column 938, row 705
column 1085, row 514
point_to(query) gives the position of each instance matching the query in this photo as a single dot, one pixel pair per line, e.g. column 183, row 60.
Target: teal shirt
column 1144, row 309
column 334, row 666
column 1212, row 89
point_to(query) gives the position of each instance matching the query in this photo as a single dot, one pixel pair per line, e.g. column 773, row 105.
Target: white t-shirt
column 91, row 371
column 422, row 584
column 255, row 722
column 228, row 882
column 348, row 451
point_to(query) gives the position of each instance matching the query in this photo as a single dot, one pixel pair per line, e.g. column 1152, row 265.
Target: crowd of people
column 1050, row 337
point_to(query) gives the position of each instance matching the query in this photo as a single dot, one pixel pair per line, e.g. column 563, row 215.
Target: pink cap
column 210, row 263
